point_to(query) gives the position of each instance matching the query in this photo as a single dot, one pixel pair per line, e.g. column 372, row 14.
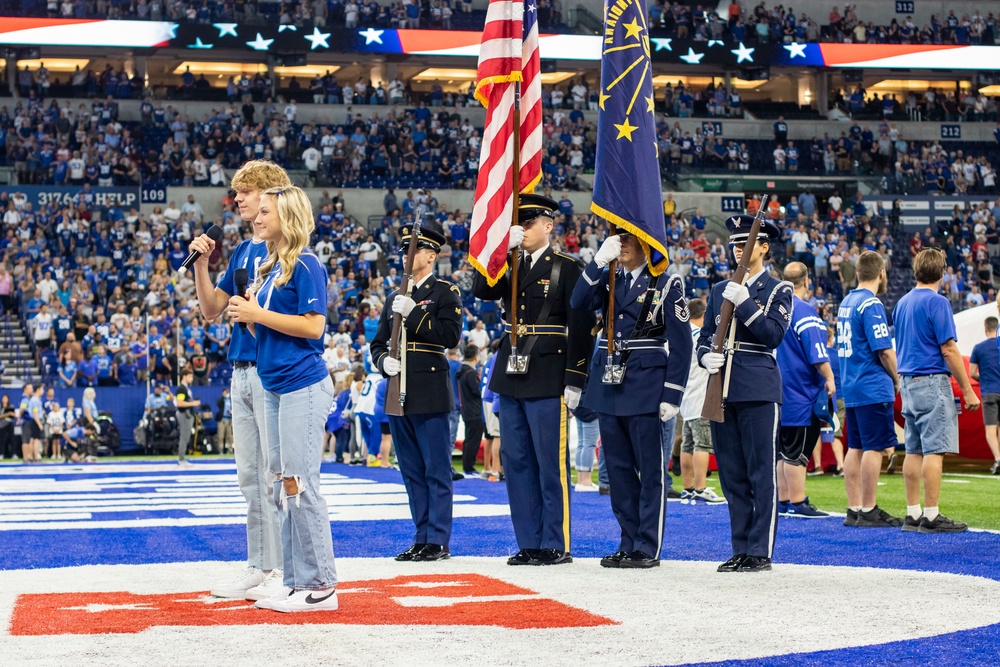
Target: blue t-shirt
column 924, row 322
column 248, row 255
column 863, row 330
column 804, row 345
column 289, row 363
column 986, row 355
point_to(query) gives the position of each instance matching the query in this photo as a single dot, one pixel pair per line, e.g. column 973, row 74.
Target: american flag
column 531, row 103
column 500, row 64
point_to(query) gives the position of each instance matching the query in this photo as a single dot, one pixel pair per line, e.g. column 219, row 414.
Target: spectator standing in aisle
column 472, row 409
column 925, row 343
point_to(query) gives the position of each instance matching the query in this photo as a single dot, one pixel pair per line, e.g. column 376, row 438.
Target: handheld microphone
column 215, row 233
column 241, row 277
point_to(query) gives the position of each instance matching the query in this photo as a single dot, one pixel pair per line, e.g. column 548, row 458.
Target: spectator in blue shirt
column 984, row 367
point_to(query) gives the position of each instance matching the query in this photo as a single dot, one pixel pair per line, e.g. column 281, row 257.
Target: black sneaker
column 671, row 493
column 941, row 524
column 852, row 518
column 911, row 525
column 878, row 518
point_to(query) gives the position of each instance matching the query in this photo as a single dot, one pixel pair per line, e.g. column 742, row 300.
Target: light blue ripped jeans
column 295, row 424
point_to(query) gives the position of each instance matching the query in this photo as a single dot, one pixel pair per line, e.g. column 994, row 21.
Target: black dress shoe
column 732, row 564
column 433, row 552
column 755, row 564
column 673, row 494
column 410, row 553
column 614, row 560
column 639, row 559
column 552, row 557
column 523, row 557
column 455, row 475
column 604, row 489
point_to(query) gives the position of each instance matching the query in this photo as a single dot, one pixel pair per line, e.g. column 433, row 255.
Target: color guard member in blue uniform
column 558, row 343
column 746, row 442
column 432, row 321
column 649, row 312
column 805, row 373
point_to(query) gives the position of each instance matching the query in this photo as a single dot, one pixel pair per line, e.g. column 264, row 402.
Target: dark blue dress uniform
column 629, row 412
column 746, row 442
column 533, row 417
column 422, row 435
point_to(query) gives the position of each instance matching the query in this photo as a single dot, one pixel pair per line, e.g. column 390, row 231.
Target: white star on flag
column 260, row 44
column 318, row 39
column 287, row 26
column 795, row 50
column 743, row 53
column 692, row 58
column 226, row 29
column 662, row 43
column 371, row 35
column 713, row 42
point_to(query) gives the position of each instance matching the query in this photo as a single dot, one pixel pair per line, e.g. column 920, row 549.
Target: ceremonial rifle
column 395, row 392
column 718, row 387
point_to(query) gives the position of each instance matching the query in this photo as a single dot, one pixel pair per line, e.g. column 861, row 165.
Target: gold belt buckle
column 522, row 329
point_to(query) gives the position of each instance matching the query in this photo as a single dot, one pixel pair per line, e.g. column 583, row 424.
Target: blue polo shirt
column 248, row 255
column 289, row 363
column 924, row 322
column 986, row 355
column 804, row 345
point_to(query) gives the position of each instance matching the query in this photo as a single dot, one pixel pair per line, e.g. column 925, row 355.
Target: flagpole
column 515, row 255
column 609, row 317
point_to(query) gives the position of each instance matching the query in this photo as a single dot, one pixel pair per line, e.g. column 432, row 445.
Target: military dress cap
column 532, row 206
column 739, row 229
column 426, row 238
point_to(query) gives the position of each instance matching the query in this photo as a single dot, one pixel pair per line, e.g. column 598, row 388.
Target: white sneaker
column 281, row 595
column 272, row 586
column 585, row 487
column 307, row 601
column 238, row 587
column 708, row 496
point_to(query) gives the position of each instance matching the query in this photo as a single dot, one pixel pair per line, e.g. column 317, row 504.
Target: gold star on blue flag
column 627, row 188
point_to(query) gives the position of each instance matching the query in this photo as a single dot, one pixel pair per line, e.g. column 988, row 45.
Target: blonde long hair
column 297, row 225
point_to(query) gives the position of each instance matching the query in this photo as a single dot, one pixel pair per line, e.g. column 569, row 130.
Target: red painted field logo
column 462, row 599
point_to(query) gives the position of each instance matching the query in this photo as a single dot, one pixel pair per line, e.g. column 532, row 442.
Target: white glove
column 712, row 361
column 515, row 237
column 572, row 397
column 403, row 305
column 668, row 411
column 735, row 293
column 391, row 366
column 610, row 249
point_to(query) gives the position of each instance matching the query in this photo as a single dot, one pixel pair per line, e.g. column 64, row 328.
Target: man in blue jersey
column 805, row 375
column 263, row 576
column 984, row 367
column 869, row 385
column 925, row 343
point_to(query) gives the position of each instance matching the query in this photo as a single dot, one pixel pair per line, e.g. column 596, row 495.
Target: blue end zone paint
column 692, row 533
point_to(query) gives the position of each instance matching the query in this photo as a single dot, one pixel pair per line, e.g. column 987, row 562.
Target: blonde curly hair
column 297, row 225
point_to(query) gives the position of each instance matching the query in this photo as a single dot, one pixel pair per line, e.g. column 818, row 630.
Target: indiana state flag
column 627, row 190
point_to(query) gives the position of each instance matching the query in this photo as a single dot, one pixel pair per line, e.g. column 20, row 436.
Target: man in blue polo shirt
column 805, row 374
column 925, row 343
column 868, row 386
column 984, row 366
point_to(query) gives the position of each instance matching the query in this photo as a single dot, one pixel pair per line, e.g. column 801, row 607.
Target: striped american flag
column 531, row 103
column 500, row 64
